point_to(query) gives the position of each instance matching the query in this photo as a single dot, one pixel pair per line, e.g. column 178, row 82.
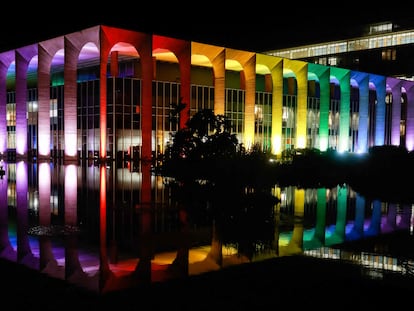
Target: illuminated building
column 106, row 92
column 381, row 48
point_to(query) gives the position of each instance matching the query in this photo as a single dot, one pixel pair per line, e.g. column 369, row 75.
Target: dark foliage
column 206, row 152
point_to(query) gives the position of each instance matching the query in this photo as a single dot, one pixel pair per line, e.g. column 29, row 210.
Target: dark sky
column 251, row 29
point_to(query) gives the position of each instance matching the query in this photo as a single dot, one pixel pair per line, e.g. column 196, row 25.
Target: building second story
column 383, row 48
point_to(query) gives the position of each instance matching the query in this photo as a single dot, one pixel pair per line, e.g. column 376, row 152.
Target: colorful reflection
column 106, row 227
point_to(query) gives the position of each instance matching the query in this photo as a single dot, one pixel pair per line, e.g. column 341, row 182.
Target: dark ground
column 285, row 282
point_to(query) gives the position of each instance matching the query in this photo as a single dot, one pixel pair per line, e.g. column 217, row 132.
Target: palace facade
column 111, row 93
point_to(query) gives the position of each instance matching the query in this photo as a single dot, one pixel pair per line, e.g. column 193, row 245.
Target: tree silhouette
column 206, row 136
column 175, row 112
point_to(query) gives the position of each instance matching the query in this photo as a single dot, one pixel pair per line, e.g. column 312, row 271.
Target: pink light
column 409, row 144
column 44, row 181
column 21, row 176
column 44, row 144
column 102, row 211
column 102, row 194
column 3, row 144
column 21, row 142
column 71, row 194
column 44, row 193
column 70, row 144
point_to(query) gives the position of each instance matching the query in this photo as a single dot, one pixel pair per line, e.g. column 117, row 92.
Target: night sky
column 249, row 28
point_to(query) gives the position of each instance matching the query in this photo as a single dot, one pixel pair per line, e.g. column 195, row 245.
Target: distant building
column 385, row 48
column 110, row 93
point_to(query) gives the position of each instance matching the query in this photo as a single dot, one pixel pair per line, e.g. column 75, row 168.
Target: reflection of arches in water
column 295, row 244
column 24, row 252
column 390, row 221
column 344, row 229
column 6, row 248
column 336, row 234
column 385, row 218
column 110, row 274
column 74, row 272
column 403, row 218
column 357, row 228
column 48, row 263
column 374, row 226
column 137, row 270
column 318, row 237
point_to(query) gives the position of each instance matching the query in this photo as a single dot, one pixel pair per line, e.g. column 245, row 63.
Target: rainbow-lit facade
column 106, row 92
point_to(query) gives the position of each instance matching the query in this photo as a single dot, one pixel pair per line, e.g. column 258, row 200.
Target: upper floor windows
column 389, row 54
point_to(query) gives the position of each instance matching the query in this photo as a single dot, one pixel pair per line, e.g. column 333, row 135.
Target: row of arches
column 370, row 110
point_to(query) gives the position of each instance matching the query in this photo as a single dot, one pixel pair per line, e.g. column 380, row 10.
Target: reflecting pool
column 108, row 227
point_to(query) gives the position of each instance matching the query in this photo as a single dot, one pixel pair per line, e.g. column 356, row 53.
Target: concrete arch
column 217, row 58
column 143, row 44
column 322, row 73
column 23, row 57
column 274, row 66
column 379, row 83
column 73, row 44
column 393, row 86
column 182, row 50
column 408, row 86
column 361, row 80
column 49, row 53
column 300, row 71
column 343, row 77
column 6, row 59
column 248, row 62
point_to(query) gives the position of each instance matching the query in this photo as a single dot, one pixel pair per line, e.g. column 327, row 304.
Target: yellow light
column 301, row 142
